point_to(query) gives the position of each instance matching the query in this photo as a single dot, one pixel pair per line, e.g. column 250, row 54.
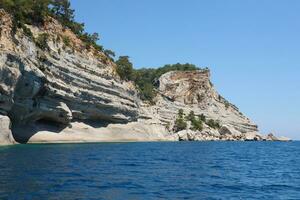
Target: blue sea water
column 166, row 170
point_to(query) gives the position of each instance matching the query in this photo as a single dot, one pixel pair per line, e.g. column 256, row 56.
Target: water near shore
column 187, row 170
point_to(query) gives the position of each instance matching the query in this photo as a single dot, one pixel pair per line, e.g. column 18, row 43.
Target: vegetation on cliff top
column 146, row 78
column 35, row 12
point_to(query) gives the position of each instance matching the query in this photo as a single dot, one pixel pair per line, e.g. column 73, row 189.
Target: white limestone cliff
column 69, row 93
column 193, row 91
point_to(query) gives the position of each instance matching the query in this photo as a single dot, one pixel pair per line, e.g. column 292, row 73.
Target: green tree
column 26, row 12
column 62, row 11
column 147, row 92
column 125, row 68
column 196, row 122
column 39, row 10
column 191, row 116
column 180, row 124
column 109, row 53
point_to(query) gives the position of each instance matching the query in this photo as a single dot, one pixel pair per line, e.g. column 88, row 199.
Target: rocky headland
column 68, row 93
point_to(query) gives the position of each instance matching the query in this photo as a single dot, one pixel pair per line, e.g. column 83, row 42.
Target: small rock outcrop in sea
column 6, row 136
column 68, row 93
column 272, row 137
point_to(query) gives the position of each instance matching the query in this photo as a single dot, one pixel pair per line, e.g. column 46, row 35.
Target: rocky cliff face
column 68, row 93
column 193, row 91
column 59, row 85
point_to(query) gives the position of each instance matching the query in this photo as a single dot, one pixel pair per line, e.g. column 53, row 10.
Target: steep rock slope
column 193, row 91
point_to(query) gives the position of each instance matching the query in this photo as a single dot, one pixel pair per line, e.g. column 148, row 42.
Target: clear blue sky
column 252, row 47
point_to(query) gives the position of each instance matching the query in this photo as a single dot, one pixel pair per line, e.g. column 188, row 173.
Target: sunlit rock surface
column 6, row 136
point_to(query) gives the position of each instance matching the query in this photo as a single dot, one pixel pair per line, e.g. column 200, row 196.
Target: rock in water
column 284, row 139
column 6, row 137
column 271, row 137
column 252, row 136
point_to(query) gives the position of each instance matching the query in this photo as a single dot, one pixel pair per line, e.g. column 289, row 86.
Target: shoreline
column 79, row 132
column 139, row 141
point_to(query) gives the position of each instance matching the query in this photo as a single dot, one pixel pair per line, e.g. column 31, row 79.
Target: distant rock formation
column 193, row 91
column 72, row 94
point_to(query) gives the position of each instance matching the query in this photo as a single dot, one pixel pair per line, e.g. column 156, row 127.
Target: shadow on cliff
column 23, row 132
column 101, row 123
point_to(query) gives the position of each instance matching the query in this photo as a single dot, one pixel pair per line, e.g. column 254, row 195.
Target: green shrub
column 180, row 113
column 202, row 118
column 66, row 40
column 147, row 92
column 41, row 41
column 180, row 123
column 213, row 124
column 27, row 32
column 197, row 124
column 191, row 116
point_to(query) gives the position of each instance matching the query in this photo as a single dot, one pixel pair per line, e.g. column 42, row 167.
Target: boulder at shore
column 6, row 137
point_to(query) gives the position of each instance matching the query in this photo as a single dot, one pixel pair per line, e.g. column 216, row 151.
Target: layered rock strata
column 193, row 91
column 60, row 84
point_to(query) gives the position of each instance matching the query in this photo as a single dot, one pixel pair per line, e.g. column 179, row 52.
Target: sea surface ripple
column 158, row 170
